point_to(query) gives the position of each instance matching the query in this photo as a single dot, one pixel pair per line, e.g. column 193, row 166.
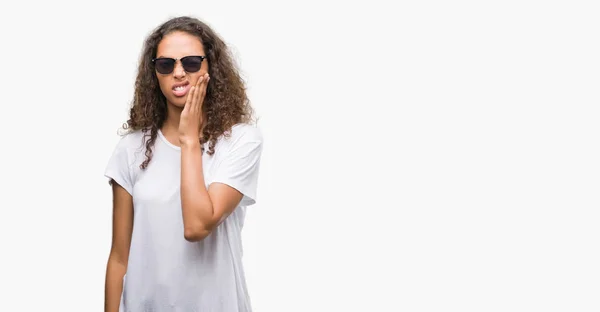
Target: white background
column 432, row 156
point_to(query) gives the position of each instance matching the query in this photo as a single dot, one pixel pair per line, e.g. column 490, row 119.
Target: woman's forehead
column 179, row 44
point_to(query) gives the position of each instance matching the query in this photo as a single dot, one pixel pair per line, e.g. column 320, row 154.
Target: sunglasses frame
column 202, row 58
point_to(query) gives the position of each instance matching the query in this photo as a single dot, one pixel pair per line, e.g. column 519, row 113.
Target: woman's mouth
column 181, row 89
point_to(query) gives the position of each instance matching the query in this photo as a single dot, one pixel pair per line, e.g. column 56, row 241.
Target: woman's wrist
column 190, row 142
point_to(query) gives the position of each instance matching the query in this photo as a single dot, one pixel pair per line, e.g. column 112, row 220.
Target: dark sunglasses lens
column 164, row 66
column 191, row 64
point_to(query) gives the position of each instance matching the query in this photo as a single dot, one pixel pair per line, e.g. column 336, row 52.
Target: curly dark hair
column 225, row 102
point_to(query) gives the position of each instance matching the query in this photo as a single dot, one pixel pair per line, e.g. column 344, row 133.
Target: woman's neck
column 170, row 128
column 173, row 117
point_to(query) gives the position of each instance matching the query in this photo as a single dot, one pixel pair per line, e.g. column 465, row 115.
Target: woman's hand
column 190, row 123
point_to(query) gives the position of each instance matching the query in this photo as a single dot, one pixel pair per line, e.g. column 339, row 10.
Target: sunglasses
column 166, row 65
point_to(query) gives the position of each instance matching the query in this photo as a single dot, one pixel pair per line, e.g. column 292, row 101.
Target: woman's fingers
column 202, row 88
column 189, row 100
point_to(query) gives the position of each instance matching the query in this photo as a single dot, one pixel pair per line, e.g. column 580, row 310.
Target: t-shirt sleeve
column 240, row 167
column 119, row 167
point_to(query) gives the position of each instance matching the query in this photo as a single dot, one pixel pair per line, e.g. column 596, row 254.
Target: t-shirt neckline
column 164, row 139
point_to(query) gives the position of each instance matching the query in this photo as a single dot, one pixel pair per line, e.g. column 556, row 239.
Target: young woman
column 182, row 177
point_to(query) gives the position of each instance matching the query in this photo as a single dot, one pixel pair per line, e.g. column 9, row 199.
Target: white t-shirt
column 165, row 272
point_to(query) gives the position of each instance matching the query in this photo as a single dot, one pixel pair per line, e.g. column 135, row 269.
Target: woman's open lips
column 181, row 89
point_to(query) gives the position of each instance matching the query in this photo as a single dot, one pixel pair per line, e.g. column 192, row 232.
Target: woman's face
column 176, row 78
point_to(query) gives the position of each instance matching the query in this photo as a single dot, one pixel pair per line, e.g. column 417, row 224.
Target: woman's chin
column 177, row 103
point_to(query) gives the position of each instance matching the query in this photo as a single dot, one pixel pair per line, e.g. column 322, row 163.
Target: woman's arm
column 203, row 209
column 119, row 253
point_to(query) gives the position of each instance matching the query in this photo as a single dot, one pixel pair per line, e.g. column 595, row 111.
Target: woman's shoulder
column 131, row 140
column 244, row 132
